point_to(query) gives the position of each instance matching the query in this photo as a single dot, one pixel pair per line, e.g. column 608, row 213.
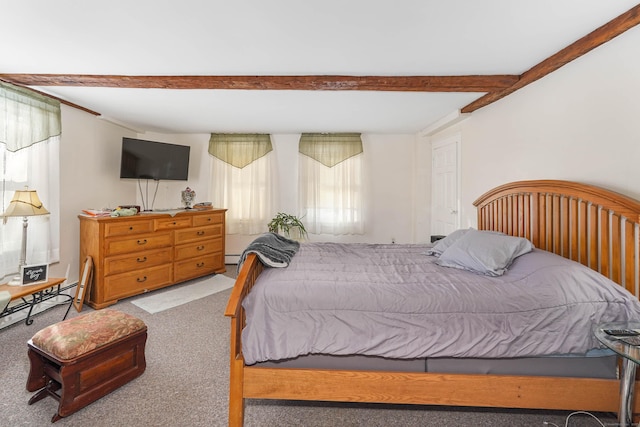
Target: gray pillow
column 444, row 243
column 484, row 252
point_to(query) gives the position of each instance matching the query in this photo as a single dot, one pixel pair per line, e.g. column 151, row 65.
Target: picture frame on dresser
column 84, row 284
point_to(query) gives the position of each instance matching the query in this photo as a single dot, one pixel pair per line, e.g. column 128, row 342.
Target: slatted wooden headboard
column 594, row 226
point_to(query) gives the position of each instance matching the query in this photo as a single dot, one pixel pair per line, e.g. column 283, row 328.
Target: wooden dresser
column 136, row 254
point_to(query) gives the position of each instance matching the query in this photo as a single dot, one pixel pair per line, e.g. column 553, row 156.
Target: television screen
column 154, row 160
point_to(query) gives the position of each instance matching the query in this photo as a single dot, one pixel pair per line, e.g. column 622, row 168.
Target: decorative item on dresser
column 136, row 254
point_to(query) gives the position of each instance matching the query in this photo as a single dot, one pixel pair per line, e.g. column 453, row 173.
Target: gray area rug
column 187, row 379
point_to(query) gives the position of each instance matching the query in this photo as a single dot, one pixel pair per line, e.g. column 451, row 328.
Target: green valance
column 239, row 149
column 26, row 117
column 330, row 148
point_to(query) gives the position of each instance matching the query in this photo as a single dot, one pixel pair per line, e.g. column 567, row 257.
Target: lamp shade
column 25, row 203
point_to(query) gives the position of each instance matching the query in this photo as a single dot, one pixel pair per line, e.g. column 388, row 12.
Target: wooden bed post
column 236, row 379
column 251, row 269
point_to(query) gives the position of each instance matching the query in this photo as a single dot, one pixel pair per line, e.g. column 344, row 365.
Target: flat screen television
column 154, row 160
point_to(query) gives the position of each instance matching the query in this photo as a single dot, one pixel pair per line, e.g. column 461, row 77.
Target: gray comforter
column 394, row 301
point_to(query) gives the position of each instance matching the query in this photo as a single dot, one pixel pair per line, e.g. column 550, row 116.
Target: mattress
column 393, row 301
column 596, row 364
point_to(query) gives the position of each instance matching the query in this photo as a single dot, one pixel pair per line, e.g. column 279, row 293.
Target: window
column 29, row 156
column 241, row 180
column 331, row 183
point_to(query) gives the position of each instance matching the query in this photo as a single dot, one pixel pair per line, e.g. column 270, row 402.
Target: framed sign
column 33, row 274
column 83, row 284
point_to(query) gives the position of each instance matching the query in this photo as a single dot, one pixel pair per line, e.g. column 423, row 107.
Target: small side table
column 32, row 295
column 630, row 359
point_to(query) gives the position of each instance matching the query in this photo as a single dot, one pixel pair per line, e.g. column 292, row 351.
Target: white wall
column 580, row 123
column 389, row 170
column 90, row 167
column 89, row 149
column 90, row 170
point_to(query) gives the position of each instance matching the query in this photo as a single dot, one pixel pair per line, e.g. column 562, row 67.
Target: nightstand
column 630, row 359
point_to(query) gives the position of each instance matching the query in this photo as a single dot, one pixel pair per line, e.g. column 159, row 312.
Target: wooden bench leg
column 37, row 378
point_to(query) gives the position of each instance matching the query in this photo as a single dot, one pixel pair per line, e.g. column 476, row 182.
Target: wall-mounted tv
column 154, row 160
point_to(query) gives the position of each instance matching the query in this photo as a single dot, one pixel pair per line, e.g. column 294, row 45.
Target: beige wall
column 389, row 170
column 90, row 165
column 579, row 123
column 89, row 147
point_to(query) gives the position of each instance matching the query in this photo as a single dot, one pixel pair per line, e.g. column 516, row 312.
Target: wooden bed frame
column 591, row 225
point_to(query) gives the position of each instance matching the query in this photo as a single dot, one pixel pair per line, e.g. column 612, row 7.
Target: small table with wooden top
column 32, row 295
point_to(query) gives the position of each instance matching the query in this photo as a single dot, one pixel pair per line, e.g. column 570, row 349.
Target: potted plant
column 287, row 225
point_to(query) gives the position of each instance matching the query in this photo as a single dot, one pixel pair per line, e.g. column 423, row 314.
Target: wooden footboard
column 497, row 391
column 591, row 225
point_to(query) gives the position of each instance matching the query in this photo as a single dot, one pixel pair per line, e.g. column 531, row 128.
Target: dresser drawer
column 197, row 249
column 136, row 261
column 140, row 243
column 127, row 227
column 198, row 233
column 171, row 223
column 135, row 254
column 136, row 282
column 213, row 218
column 196, row 267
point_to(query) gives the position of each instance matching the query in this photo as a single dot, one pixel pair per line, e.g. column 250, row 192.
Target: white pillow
column 484, row 252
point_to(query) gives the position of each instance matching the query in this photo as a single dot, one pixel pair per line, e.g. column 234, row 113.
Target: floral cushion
column 71, row 338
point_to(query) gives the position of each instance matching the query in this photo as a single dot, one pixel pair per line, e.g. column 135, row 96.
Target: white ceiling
column 285, row 37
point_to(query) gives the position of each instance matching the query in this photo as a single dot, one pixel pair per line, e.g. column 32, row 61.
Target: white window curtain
column 331, row 183
column 29, row 157
column 242, row 167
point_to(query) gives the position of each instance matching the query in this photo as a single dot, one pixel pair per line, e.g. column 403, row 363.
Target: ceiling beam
column 496, row 86
column 598, row 37
column 62, row 101
column 474, row 83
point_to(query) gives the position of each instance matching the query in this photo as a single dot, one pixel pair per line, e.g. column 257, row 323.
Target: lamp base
column 15, row 281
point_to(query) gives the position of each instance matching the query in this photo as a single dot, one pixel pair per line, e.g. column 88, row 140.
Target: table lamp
column 25, row 203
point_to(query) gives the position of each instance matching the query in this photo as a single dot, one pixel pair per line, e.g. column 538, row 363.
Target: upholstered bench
column 82, row 359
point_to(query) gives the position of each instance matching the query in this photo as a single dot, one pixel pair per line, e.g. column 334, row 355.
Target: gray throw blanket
column 272, row 249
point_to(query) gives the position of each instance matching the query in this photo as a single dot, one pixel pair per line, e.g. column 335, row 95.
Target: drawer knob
column 142, row 279
column 142, row 242
column 200, row 248
column 200, row 264
column 200, row 233
column 143, row 259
